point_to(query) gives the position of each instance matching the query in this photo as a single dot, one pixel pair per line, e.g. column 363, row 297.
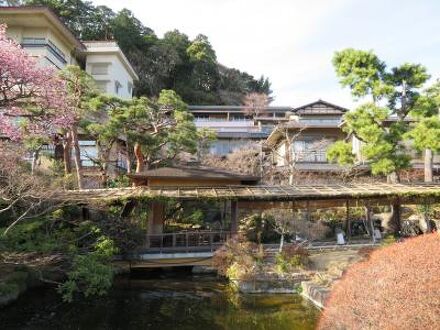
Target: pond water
column 161, row 301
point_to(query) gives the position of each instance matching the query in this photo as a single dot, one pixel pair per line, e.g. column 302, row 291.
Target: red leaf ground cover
column 396, row 287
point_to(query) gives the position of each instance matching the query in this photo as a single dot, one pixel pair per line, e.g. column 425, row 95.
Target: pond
column 162, row 301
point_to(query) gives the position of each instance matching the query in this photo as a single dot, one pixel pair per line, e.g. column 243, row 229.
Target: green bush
column 91, row 274
column 195, row 218
column 29, row 236
column 259, row 228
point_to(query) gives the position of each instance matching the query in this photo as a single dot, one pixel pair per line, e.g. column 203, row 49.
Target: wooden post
column 234, row 214
column 211, row 241
column 174, row 240
column 156, row 218
column 347, row 221
column 370, row 223
column 396, row 217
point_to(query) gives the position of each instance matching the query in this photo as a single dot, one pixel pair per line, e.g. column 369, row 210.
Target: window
column 237, row 117
column 55, row 50
column 33, row 41
column 313, row 151
column 99, row 68
column 118, row 87
column 130, row 88
column 89, row 152
column 224, row 147
column 200, row 117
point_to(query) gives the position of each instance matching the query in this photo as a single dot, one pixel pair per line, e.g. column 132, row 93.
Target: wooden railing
column 187, row 241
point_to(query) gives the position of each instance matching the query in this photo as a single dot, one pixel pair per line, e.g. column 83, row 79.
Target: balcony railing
column 187, row 241
column 311, row 157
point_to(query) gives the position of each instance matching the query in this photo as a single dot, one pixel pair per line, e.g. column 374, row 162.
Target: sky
column 292, row 41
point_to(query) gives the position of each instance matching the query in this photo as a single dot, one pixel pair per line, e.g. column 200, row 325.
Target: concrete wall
column 42, row 52
column 116, row 73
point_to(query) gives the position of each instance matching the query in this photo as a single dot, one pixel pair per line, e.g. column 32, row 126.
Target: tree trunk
column 428, row 165
column 104, row 156
column 395, row 225
column 35, row 156
column 281, row 243
column 393, row 177
column 139, row 158
column 128, row 159
column 427, row 222
column 128, row 162
column 67, row 142
column 77, row 158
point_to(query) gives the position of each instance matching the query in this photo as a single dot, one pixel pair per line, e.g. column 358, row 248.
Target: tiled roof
column 320, row 107
column 379, row 192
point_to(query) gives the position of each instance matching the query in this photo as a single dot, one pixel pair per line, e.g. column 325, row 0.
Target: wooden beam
column 347, row 220
column 396, row 212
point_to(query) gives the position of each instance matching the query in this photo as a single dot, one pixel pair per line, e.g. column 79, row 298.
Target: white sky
column 292, row 42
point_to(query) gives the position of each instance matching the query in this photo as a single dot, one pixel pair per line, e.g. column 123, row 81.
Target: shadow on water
column 161, row 300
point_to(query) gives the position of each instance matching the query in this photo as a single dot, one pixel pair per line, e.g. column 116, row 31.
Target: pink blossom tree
column 32, row 97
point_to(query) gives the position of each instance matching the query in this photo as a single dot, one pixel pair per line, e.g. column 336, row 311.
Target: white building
column 111, row 69
column 44, row 35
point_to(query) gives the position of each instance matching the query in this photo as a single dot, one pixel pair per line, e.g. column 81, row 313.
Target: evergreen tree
column 381, row 123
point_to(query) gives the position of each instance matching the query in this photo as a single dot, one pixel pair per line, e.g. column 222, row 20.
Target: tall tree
column 393, row 95
column 157, row 131
column 32, row 98
column 255, row 104
column 425, row 130
column 81, row 90
column 105, row 130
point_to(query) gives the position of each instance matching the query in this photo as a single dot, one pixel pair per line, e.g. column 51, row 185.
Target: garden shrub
column 293, row 257
column 238, row 259
column 396, row 287
column 259, row 228
column 91, row 274
column 32, row 236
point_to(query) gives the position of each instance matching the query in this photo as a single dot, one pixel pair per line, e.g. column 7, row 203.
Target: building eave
column 111, row 50
column 50, row 16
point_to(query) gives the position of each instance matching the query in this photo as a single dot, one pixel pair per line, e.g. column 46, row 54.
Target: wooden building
column 184, row 177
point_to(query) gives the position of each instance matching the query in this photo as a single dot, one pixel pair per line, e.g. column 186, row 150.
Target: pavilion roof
column 378, row 191
column 192, row 172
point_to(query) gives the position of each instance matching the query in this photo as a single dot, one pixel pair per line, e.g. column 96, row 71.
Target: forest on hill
column 189, row 67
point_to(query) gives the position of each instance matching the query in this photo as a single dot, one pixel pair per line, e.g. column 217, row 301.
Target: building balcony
column 224, row 123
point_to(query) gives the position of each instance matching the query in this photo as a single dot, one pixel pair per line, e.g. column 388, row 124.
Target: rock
column 272, row 285
column 317, row 294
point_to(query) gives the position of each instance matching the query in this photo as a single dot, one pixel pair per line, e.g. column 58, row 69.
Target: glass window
column 56, row 50
column 34, row 41
column 88, row 151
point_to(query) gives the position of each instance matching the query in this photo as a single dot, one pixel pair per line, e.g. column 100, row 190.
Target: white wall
column 116, row 72
column 42, row 52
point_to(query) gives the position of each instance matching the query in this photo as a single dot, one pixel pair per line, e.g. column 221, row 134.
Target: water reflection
column 162, row 301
